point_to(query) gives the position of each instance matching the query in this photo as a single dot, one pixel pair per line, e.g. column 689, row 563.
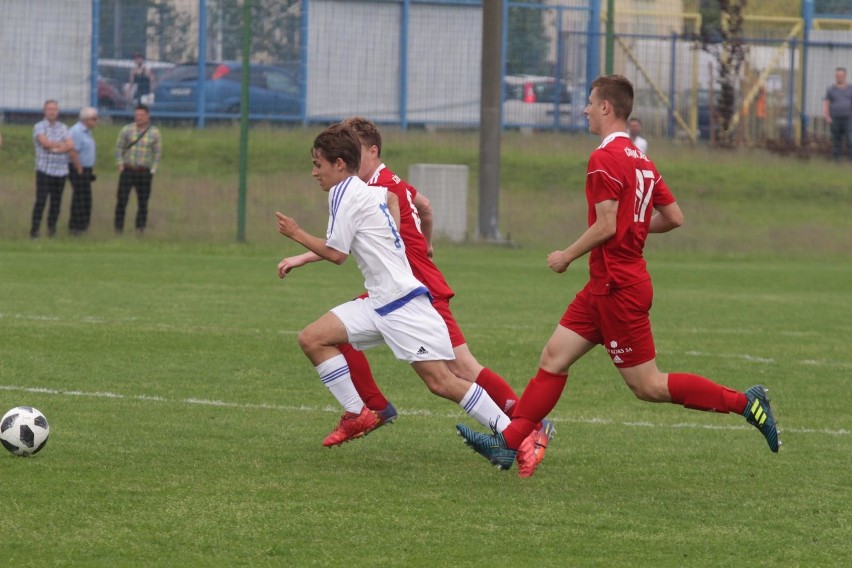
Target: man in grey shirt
column 837, row 109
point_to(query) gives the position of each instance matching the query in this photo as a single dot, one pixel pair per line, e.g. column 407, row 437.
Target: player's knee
column 464, row 371
column 439, row 384
column 436, row 386
column 308, row 339
column 649, row 391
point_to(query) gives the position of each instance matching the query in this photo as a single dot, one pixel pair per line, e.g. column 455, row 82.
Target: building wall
column 46, row 49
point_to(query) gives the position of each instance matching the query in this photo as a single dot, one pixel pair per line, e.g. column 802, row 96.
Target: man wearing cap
column 82, row 172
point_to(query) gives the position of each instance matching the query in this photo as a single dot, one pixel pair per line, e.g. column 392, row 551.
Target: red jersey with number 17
column 415, row 243
column 618, row 170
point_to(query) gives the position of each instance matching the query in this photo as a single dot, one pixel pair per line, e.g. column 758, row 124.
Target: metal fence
column 414, row 62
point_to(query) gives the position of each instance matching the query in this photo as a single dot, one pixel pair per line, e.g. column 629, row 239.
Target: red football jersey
column 415, row 243
column 618, row 170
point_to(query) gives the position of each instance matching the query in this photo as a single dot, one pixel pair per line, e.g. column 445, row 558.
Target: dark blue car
column 273, row 90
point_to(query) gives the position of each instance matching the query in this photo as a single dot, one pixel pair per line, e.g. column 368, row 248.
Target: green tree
column 526, row 48
column 730, row 51
column 833, row 7
column 274, row 29
column 128, row 26
column 784, row 8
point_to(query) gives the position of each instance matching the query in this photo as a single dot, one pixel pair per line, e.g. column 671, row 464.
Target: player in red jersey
column 623, row 189
column 416, row 231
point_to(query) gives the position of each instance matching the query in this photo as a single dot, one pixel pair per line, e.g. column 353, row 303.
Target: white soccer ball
column 24, row 431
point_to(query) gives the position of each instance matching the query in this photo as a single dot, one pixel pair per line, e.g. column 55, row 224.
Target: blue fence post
column 503, row 49
column 303, row 63
column 808, row 16
column 202, row 62
column 593, row 49
column 96, row 41
column 672, row 82
column 403, row 64
column 560, row 64
column 791, row 93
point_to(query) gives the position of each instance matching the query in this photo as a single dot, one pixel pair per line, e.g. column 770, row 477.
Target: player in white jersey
column 398, row 310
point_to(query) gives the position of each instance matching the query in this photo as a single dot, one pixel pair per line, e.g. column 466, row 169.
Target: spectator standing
column 142, row 80
column 137, row 154
column 634, row 128
column 82, row 172
column 53, row 145
column 837, row 109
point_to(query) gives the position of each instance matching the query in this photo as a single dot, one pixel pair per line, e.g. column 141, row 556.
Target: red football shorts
column 619, row 321
column 442, row 306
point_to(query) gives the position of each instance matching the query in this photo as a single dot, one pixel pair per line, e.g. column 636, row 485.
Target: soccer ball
column 24, row 431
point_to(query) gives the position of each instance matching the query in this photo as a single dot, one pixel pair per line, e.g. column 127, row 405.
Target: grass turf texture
column 186, row 424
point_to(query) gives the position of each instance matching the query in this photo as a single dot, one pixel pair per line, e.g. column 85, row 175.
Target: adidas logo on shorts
column 422, row 351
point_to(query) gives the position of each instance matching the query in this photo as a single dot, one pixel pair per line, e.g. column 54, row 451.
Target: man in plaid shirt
column 137, row 155
column 53, row 145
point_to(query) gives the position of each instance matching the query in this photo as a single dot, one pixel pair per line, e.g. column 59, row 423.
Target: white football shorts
column 414, row 332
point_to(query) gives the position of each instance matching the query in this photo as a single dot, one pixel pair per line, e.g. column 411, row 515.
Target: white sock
column 480, row 407
column 334, row 374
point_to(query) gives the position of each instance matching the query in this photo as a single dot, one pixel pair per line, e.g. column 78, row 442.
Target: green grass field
column 186, row 423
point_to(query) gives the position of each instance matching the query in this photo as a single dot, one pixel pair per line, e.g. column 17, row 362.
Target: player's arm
column 291, row 262
column 825, row 112
column 424, row 211
column 598, row 233
column 288, row 227
column 666, row 218
column 393, row 207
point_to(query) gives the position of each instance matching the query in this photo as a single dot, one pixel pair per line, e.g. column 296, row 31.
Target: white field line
column 689, row 353
column 410, row 412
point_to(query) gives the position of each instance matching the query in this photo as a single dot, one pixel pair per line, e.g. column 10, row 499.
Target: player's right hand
column 557, row 261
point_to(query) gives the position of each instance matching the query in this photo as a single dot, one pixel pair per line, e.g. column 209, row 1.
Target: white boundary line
column 412, row 412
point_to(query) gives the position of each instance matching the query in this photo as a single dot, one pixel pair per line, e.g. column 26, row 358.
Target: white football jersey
column 360, row 224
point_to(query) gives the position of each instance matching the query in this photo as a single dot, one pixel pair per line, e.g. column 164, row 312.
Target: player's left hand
column 288, row 264
column 287, row 226
column 557, row 261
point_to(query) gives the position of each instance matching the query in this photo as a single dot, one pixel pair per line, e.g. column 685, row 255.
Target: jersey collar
column 612, row 137
column 375, row 176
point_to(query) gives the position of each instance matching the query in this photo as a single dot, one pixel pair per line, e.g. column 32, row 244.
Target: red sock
column 698, row 393
column 499, row 390
column 362, row 378
column 539, row 398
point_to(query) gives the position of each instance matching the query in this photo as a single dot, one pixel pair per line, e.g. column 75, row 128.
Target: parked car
column 273, row 90
column 116, row 74
column 533, row 100
column 109, row 97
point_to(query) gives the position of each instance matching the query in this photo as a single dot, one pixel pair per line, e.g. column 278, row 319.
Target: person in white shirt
column 363, row 222
column 634, row 128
